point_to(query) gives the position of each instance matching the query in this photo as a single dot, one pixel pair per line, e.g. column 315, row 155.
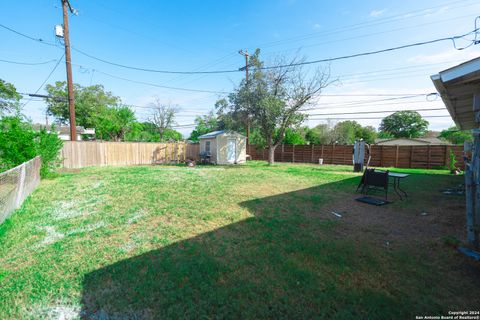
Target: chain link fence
column 16, row 185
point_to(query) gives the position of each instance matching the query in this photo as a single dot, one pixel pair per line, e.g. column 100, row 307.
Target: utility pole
column 66, row 40
column 246, row 55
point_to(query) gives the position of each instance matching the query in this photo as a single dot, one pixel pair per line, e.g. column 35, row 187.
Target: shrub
column 20, row 143
column 453, row 161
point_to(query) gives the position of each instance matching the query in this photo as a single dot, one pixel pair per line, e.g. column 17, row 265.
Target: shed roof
column 213, row 134
column 457, row 86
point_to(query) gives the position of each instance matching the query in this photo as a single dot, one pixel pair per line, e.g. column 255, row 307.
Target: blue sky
column 206, row 35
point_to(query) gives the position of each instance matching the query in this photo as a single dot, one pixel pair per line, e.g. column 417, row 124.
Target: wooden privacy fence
column 79, row 154
column 421, row 157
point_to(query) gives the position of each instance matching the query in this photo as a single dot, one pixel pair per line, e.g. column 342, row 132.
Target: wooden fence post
column 411, row 156
column 428, row 156
column 381, row 156
column 321, row 154
column 293, row 153
column 313, row 146
column 283, row 150
column 333, row 153
column 396, row 156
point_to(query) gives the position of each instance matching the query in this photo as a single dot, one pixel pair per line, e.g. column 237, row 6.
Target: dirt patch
column 390, row 224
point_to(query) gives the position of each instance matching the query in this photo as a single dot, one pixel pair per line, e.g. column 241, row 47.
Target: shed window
column 207, row 146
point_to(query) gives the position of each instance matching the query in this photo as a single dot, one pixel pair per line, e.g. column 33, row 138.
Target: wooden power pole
column 71, row 99
column 247, row 56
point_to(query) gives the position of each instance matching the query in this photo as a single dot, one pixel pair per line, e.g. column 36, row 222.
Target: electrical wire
column 368, row 112
column 46, row 79
column 374, row 118
column 362, row 54
column 28, row 63
column 27, row 36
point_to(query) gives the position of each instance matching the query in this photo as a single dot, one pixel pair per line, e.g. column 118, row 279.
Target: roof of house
column 65, row 129
column 432, row 141
column 457, row 86
column 213, row 134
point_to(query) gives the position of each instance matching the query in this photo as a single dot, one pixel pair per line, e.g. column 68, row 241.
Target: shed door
column 231, row 150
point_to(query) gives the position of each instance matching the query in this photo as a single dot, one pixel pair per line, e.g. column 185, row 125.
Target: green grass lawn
column 246, row 242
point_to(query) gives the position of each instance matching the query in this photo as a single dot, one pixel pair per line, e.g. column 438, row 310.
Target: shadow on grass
column 285, row 262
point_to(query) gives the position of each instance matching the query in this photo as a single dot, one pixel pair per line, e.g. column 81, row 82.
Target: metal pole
column 71, row 98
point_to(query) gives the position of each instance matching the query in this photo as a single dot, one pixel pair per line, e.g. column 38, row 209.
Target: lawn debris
column 423, row 214
column 456, row 191
column 338, row 215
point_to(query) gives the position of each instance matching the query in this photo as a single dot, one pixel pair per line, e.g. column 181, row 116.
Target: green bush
column 20, row 143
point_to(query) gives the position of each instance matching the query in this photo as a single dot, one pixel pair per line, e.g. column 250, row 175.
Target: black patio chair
column 205, row 157
column 372, row 179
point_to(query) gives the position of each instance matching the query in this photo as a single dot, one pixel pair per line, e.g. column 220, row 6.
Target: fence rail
column 421, row 157
column 79, row 154
column 16, row 185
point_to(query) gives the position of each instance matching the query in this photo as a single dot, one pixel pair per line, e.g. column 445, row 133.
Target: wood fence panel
column 79, row 154
column 422, row 157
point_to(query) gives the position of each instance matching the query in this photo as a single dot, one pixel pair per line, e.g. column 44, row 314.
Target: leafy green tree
column 367, row 134
column 293, row 136
column 318, row 135
column 205, row 124
column 9, row 98
column 114, row 122
column 456, row 136
column 20, row 143
column 404, row 124
column 88, row 102
column 274, row 98
column 17, row 142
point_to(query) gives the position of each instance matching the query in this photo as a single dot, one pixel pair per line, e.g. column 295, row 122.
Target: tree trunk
column 271, row 154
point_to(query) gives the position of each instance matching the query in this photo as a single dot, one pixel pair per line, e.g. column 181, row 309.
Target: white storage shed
column 224, row 147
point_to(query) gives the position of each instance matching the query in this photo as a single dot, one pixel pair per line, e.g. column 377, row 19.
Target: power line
column 152, row 70
column 157, row 85
column 28, row 63
column 27, row 36
column 361, row 25
column 368, row 112
column 452, row 39
column 368, row 53
column 374, row 118
column 46, row 79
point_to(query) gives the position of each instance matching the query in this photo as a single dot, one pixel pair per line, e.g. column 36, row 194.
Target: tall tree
column 9, row 97
column 404, row 124
column 113, row 123
column 205, row 124
column 274, row 97
column 88, row 101
column 455, row 135
column 163, row 117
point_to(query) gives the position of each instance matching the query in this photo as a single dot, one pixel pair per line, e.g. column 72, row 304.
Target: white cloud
column 445, row 56
column 316, row 26
column 377, row 13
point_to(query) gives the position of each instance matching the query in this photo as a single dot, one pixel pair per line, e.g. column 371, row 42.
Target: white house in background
column 410, row 142
column 64, row 132
column 224, row 147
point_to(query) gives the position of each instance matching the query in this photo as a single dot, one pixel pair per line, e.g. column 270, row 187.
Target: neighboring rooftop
column 65, row 129
column 411, row 141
